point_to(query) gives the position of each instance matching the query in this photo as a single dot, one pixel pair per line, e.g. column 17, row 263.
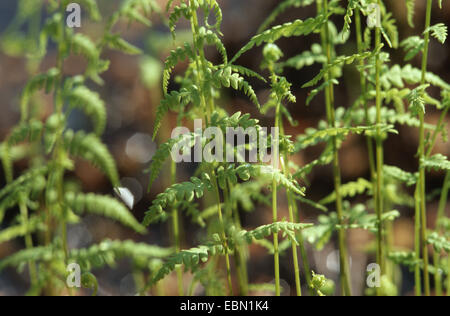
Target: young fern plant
column 200, row 85
column 46, row 201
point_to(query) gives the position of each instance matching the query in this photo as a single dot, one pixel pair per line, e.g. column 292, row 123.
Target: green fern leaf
column 439, row 31
column 176, row 56
column 105, row 206
column 439, row 242
column 296, row 28
column 350, row 189
column 436, row 162
column 89, row 147
column 282, row 7
column 400, row 175
column 109, row 251
column 118, row 43
column 91, row 103
column 410, row 7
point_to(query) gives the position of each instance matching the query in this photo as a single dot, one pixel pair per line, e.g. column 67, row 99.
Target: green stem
column 303, row 253
column 276, row 254
column 223, row 234
column 239, row 257
column 291, row 201
column 363, row 83
column 440, row 217
column 28, row 240
column 422, row 176
column 417, row 276
column 379, row 160
column 176, row 231
column 329, row 100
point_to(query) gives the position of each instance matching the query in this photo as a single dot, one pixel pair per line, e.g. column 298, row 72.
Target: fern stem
column 363, row 83
column 436, row 131
column 239, row 257
column 422, row 176
column 223, row 234
column 176, row 230
column 379, row 159
column 28, row 241
column 329, row 100
column 291, row 201
column 303, row 253
column 276, row 253
column 417, row 275
column 439, row 218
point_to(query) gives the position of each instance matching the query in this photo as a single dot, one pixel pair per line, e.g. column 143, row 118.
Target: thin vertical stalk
column 239, row 257
column 379, row 159
column 176, row 231
column 303, row 253
column 422, row 176
column 417, row 275
column 329, row 100
column 291, row 201
column 276, row 254
column 363, row 83
column 440, row 217
column 28, row 240
column 223, row 234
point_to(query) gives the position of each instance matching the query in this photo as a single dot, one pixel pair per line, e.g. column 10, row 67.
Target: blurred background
column 132, row 92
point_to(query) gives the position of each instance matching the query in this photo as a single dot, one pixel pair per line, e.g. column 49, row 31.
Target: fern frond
column 44, row 81
column 400, row 175
column 17, row 184
column 212, row 5
column 114, row 41
column 27, row 131
column 28, row 255
column 313, row 136
column 350, row 189
column 105, row 206
column 286, row 228
column 174, row 100
column 436, row 162
column 226, row 77
column 91, row 103
column 439, row 32
column 439, row 242
column 191, row 259
column 412, row 46
column 178, row 192
column 410, row 7
column 282, row 7
column 210, row 38
column 83, row 45
column 342, row 60
column 176, row 56
column 20, row 230
column 307, row 58
column 407, row 259
column 247, row 72
column 109, row 251
column 175, row 16
column 352, row 5
column 162, row 154
column 92, row 8
column 90, row 147
column 296, row 28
